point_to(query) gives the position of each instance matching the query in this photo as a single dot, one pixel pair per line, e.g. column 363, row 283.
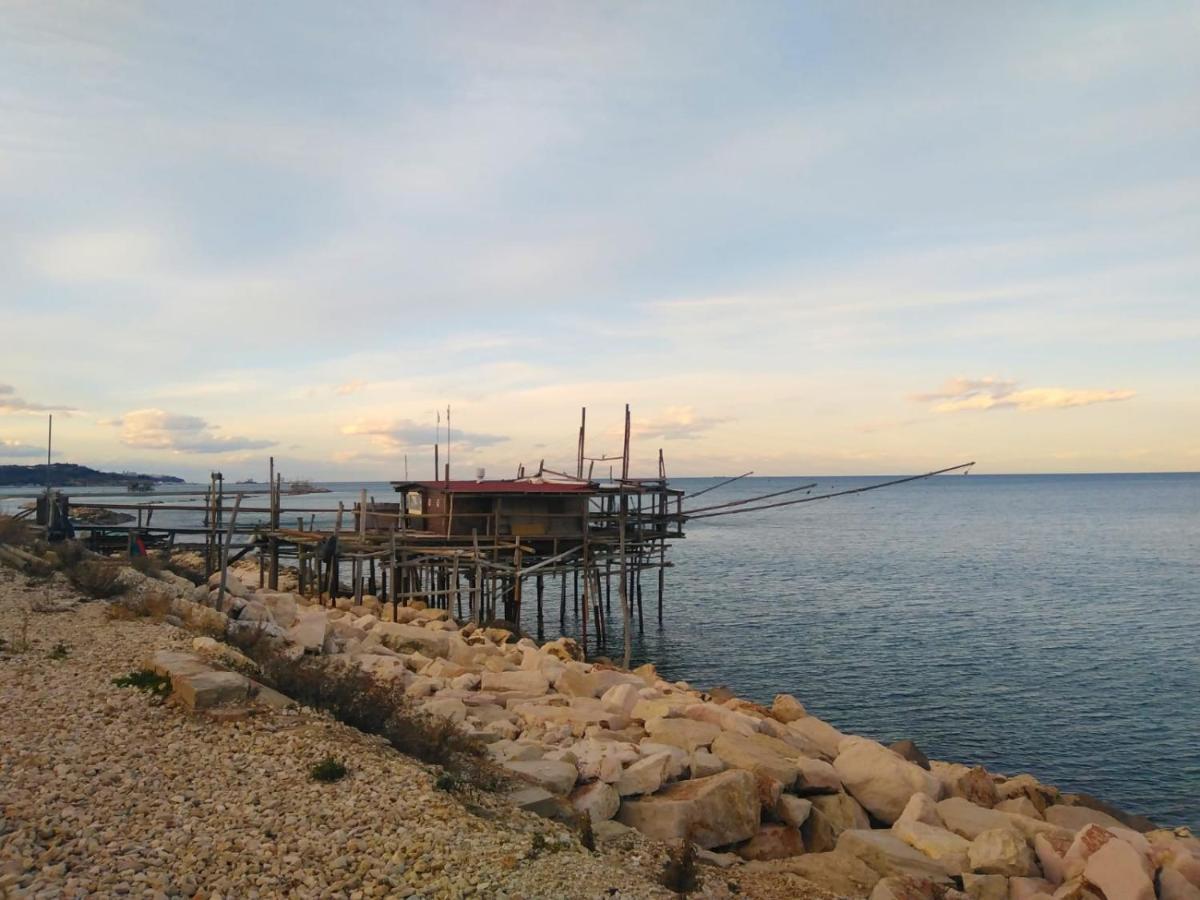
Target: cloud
column 156, row 429
column 350, row 387
column 677, row 423
column 11, row 403
column 980, row 394
column 407, row 433
column 15, row 449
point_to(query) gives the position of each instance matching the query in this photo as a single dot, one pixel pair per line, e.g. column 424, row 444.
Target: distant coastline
column 72, row 475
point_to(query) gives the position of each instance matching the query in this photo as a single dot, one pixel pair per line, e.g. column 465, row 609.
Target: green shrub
column 329, row 769
column 60, row 651
column 146, row 680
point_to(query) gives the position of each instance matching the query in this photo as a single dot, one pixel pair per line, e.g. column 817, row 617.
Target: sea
column 1027, row 623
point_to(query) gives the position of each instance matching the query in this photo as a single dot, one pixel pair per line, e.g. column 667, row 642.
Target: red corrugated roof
column 497, row 487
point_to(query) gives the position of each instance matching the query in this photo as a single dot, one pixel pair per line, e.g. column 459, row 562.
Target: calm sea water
column 1048, row 624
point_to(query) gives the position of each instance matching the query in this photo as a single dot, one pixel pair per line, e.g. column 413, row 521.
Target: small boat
column 140, row 486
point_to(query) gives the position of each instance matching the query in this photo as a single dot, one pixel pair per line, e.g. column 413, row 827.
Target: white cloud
column 11, row 403
column 18, row 450
column 156, row 429
column 401, row 433
column 979, row 394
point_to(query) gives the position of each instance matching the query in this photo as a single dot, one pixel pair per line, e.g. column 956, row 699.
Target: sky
column 797, row 238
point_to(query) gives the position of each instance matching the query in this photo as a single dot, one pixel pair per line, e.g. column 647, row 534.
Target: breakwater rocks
column 754, row 787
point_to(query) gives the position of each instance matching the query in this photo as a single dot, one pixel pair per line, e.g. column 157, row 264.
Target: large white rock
column 311, row 630
column 687, row 734
column 773, row 841
column 530, row 682
column 725, row 718
column 792, row 810
column 553, row 775
column 831, row 815
column 1002, row 851
column 786, row 708
column 881, row 780
column 645, row 776
column 968, row 820
column 759, row 753
column 1076, row 817
column 821, row 733
column 816, row 777
column 412, row 637
column 711, row 812
column 937, row 843
column 1120, row 872
column 599, row 800
column 888, row 855
column 621, row 699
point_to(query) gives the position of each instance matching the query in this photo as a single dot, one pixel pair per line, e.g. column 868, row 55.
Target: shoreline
column 830, row 809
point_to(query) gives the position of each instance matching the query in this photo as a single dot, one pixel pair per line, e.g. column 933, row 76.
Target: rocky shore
column 102, row 793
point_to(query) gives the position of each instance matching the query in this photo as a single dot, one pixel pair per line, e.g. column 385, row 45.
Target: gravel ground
column 103, row 793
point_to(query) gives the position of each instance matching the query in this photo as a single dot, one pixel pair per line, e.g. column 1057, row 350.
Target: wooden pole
column 225, row 554
column 541, row 590
column 623, row 582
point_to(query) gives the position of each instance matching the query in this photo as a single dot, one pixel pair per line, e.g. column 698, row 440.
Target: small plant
column 680, row 871
column 96, row 580
column 328, row 770
column 537, row 845
column 446, row 782
column 152, row 605
column 69, row 554
column 583, row 828
column 60, row 651
column 15, row 531
column 147, row 680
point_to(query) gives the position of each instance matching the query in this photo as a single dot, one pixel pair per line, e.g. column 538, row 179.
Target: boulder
column 820, row 733
column 773, row 841
column 793, row 811
column 553, row 775
column 401, row 637
column 645, row 776
column 669, row 706
column 620, row 699
column 1051, row 852
column 599, row 800
column 1120, row 872
column 687, row 734
column 447, row 708
column 1023, row 888
column 922, row 808
column 1020, row 806
column 816, row 776
column 702, row 764
column 786, row 708
column 1173, row 885
column 907, row 749
column 888, row 855
column 985, row 887
column 711, row 812
column 311, row 630
column 740, row 751
column 283, row 607
column 938, row 844
column 725, row 718
column 1025, row 785
column 906, row 887
column 880, row 780
column 977, row 786
column 1076, row 817
column 831, row 815
column 677, row 765
column 1002, row 851
column 536, row 800
column 529, row 682
column 966, row 819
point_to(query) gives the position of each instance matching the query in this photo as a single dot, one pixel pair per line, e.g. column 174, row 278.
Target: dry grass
column 15, row 532
column 152, row 605
column 680, row 872
column 376, row 707
column 95, row 579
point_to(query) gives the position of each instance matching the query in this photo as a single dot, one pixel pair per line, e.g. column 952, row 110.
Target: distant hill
column 71, row 475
